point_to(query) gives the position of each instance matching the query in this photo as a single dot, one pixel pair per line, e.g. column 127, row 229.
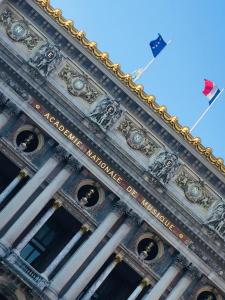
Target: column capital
column 85, row 228
column 118, row 258
column 60, row 153
column 23, row 173
column 12, row 109
column 145, row 282
column 57, row 204
column 3, row 101
column 73, row 164
column 193, row 272
column 181, row 261
column 133, row 218
column 120, row 207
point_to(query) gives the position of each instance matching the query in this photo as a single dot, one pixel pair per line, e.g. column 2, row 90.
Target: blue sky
column 123, row 28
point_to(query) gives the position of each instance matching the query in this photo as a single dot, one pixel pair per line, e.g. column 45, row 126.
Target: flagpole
column 205, row 112
column 148, row 65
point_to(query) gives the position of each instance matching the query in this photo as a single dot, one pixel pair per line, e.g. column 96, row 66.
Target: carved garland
column 18, row 30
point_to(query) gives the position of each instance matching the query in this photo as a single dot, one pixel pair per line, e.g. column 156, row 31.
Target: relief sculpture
column 194, row 190
column 216, row 221
column 164, row 166
column 136, row 137
column 18, row 30
column 106, row 113
column 78, row 85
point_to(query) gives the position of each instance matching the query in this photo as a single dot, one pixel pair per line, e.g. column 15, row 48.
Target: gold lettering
column 61, row 128
column 171, row 227
column 79, row 144
column 103, row 165
column 89, row 153
column 93, row 157
column 56, row 124
column 107, row 169
column 47, row 115
column 66, row 132
column 71, row 137
column 119, row 179
column 111, row 173
column 52, row 119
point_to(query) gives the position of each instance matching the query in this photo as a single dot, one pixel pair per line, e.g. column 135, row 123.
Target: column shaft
column 101, row 279
column 97, row 262
column 180, row 288
column 163, row 283
column 12, row 185
column 139, row 289
column 65, row 251
column 3, row 117
column 37, row 227
column 33, row 210
column 79, row 257
column 24, row 194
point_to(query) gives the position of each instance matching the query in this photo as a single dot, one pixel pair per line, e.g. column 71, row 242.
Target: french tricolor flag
column 211, row 91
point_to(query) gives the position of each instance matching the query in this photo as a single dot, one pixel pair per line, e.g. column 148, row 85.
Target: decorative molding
column 138, row 89
column 137, row 137
column 194, row 190
column 46, row 59
column 18, row 30
column 106, row 113
column 78, row 84
column 164, row 166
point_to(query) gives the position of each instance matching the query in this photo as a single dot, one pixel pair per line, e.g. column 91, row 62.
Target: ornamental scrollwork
column 18, row 30
column 78, row 85
column 194, row 190
column 46, row 59
column 106, row 113
column 164, row 166
column 136, row 137
column 216, row 220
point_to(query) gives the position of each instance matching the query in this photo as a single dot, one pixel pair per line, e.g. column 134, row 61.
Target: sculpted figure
column 164, row 166
column 216, row 220
column 106, row 113
column 46, row 59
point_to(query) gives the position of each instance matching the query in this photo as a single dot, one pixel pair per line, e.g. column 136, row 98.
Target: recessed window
column 207, row 295
column 147, row 249
column 27, row 141
column 88, row 195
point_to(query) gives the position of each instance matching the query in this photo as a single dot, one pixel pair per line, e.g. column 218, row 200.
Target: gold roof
column 138, row 89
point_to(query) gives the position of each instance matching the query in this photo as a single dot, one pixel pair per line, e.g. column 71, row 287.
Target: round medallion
column 194, row 191
column 50, row 54
column 137, row 138
column 78, row 84
column 110, row 110
column 18, row 31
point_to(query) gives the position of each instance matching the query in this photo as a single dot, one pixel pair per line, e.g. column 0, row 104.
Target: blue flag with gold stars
column 157, row 45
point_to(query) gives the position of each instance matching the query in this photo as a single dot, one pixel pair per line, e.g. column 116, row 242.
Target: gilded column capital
column 145, row 282
column 118, row 258
column 23, row 173
column 85, row 228
column 57, row 204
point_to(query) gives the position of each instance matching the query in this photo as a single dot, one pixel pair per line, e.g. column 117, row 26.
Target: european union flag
column 157, row 45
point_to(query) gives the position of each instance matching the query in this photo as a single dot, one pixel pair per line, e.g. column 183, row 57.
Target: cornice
column 138, row 89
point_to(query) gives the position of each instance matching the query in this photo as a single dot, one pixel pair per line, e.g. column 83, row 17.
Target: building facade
column 103, row 194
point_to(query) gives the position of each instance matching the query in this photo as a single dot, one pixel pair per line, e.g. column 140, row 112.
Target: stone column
column 145, row 282
column 22, row 174
column 80, row 256
column 97, row 262
column 24, row 194
column 160, row 287
column 84, row 228
column 34, row 209
column 183, row 283
column 102, row 277
column 37, row 226
column 3, row 117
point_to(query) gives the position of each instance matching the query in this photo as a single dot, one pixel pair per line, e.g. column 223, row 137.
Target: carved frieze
column 46, row 59
column 106, row 113
column 78, row 84
column 18, row 30
column 137, row 137
column 216, row 221
column 164, row 166
column 194, row 190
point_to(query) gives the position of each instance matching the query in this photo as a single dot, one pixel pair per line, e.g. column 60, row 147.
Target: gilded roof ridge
column 138, row 89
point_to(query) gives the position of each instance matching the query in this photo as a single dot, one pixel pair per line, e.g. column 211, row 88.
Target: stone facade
column 95, row 202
